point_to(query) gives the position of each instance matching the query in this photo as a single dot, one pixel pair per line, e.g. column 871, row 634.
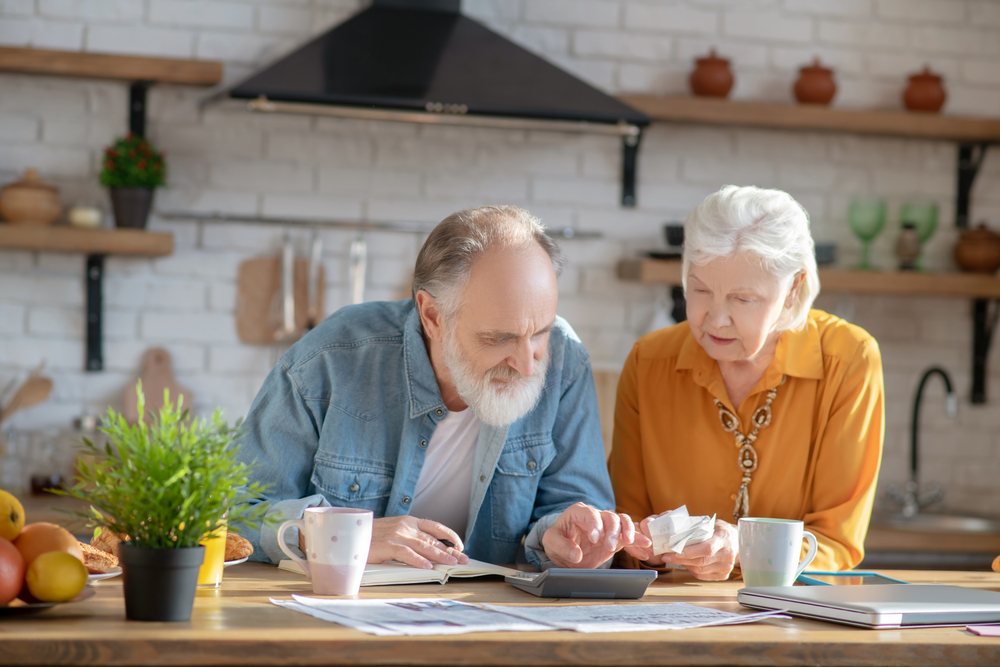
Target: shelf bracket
column 137, row 107
column 94, row 280
column 983, row 327
column 630, row 156
column 970, row 159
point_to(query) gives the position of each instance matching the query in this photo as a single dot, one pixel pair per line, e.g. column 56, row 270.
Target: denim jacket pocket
column 351, row 485
column 515, row 484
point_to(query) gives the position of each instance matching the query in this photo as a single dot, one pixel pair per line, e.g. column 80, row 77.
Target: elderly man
column 465, row 418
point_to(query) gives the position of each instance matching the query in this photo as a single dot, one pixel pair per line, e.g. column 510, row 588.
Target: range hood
column 423, row 61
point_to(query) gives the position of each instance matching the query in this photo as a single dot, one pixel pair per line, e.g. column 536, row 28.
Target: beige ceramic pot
column 711, row 76
column 925, row 92
column 30, row 201
column 978, row 250
column 815, row 84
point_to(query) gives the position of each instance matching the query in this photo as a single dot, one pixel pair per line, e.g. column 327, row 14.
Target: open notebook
column 389, row 574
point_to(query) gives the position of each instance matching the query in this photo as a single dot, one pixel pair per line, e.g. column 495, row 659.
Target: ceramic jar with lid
column 30, row 201
column 815, row 84
column 925, row 92
column 978, row 250
column 711, row 76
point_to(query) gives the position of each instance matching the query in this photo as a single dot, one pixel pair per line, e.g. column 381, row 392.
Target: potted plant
column 132, row 168
column 165, row 481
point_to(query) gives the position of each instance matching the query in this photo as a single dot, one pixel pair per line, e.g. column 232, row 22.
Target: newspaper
column 431, row 616
column 410, row 616
column 674, row 530
column 631, row 617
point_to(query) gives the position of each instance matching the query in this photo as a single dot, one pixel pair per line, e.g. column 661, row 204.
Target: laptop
column 880, row 606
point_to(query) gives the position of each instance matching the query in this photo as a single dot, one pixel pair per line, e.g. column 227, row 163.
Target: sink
column 940, row 523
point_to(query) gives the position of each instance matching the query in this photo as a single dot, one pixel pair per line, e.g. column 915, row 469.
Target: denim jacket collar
column 421, row 383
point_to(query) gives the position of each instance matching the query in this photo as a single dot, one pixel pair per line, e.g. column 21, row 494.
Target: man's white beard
column 496, row 405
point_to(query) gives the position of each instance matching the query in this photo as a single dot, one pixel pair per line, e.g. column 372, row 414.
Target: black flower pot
column 159, row 583
column 131, row 206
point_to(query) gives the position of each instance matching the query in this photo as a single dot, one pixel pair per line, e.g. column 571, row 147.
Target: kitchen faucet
column 912, row 498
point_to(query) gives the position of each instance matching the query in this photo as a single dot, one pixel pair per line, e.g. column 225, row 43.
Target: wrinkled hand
column 711, row 560
column 413, row 541
column 586, row 537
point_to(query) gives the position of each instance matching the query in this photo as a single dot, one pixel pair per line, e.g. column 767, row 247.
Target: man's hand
column 711, row 560
column 416, row 542
column 586, row 537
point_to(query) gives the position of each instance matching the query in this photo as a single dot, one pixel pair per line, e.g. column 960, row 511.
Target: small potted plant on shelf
column 164, row 482
column 132, row 169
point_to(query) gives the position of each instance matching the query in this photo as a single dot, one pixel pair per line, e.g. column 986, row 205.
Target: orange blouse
column 818, row 459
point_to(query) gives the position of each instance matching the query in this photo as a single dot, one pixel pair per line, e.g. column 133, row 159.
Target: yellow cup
column 210, row 572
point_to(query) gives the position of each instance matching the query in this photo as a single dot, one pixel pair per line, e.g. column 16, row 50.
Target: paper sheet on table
column 410, row 616
column 984, row 630
column 674, row 530
column 632, row 617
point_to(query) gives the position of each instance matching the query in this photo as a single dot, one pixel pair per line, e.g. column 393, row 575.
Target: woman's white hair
column 767, row 223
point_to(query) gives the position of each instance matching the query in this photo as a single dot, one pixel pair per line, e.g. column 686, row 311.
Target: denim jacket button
column 406, row 500
column 532, row 465
column 354, row 488
column 439, row 412
column 423, row 444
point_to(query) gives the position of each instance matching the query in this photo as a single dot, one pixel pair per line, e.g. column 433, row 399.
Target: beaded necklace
column 746, row 457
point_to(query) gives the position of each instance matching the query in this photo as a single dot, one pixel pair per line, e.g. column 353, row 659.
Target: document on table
column 410, row 616
column 426, row 616
column 631, row 617
column 984, row 630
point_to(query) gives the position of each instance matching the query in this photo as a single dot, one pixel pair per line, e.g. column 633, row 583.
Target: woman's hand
column 711, row 560
column 644, row 550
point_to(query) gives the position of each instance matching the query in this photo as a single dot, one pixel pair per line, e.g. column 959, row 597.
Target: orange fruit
column 41, row 537
column 11, row 515
column 11, row 571
column 56, row 576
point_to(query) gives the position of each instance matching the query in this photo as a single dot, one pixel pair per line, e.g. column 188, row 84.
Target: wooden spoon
column 32, row 391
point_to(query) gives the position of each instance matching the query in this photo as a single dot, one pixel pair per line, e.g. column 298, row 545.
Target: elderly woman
column 756, row 405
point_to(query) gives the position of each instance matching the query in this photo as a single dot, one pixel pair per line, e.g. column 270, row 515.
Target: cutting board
column 258, row 299
column 157, row 374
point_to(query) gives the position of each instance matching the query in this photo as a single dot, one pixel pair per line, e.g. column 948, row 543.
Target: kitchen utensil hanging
column 313, row 306
column 285, row 304
column 260, row 297
column 359, row 268
column 34, row 390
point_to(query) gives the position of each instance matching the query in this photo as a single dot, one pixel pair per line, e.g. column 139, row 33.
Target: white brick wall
column 223, row 159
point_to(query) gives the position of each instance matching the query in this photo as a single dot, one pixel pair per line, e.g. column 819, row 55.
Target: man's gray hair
column 768, row 223
column 445, row 260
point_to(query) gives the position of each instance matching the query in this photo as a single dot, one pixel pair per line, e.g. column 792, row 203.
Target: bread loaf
column 108, row 541
column 237, row 547
column 96, row 560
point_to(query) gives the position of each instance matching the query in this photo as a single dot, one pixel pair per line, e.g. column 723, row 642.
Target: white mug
column 770, row 548
column 337, row 541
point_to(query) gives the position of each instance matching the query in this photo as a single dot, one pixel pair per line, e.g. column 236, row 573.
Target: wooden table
column 236, row 625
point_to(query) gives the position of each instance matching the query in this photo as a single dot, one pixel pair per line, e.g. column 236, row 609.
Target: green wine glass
column 867, row 219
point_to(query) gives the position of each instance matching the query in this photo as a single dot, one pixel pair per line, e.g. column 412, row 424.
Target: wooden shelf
column 110, row 66
column 810, row 117
column 86, row 241
column 899, row 283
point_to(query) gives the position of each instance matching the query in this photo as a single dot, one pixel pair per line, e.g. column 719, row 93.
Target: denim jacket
column 345, row 417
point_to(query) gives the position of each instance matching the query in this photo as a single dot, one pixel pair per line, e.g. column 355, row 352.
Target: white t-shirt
column 445, row 482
